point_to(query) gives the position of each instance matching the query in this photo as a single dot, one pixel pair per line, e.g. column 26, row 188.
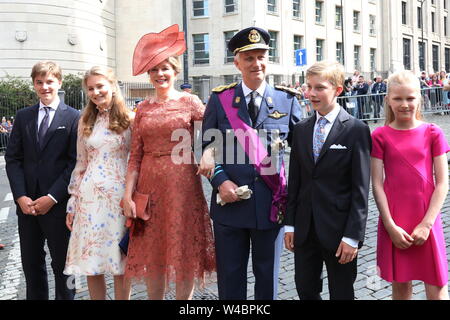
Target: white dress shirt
column 51, row 114
column 331, row 117
column 259, row 96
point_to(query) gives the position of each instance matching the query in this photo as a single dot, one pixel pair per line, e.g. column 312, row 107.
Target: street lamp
column 185, row 55
column 423, row 49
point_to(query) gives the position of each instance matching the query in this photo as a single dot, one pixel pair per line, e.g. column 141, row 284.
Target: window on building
column 297, row 9
column 435, row 57
column 447, row 59
column 338, row 17
column 407, row 53
column 227, row 35
column 433, row 22
column 200, row 8
column 230, row 6
column 273, row 44
column 419, row 18
column 373, row 59
column 404, row 20
column 339, row 52
column 357, row 57
column 356, row 21
column 445, row 26
column 201, row 48
column 319, row 49
column 372, row 25
column 422, row 56
column 433, row 2
column 298, row 44
column 319, row 12
column 272, row 6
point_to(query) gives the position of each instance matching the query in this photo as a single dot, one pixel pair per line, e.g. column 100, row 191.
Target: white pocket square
column 62, row 127
column 338, row 147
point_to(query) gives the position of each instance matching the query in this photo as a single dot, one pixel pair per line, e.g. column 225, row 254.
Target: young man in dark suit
column 40, row 157
column 328, row 188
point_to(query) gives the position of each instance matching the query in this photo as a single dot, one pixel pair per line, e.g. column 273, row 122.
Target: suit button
column 256, row 178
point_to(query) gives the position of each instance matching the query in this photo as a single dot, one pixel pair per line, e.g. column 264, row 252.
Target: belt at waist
column 158, row 153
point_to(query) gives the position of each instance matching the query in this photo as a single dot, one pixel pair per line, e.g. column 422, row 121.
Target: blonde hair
column 331, row 71
column 402, row 78
column 44, row 68
column 119, row 119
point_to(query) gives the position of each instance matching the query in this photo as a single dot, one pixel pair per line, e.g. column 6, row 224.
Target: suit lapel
column 32, row 126
column 335, row 132
column 56, row 122
column 239, row 102
column 309, row 136
column 266, row 105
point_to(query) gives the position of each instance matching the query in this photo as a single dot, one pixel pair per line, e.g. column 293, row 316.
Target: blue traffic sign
column 300, row 57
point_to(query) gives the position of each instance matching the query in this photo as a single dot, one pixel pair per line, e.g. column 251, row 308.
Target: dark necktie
column 252, row 108
column 43, row 127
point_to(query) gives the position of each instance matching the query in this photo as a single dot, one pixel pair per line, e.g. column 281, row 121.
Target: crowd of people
column 364, row 98
column 112, row 192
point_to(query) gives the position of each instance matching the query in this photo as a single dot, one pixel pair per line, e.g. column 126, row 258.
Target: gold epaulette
column 220, row 89
column 288, row 90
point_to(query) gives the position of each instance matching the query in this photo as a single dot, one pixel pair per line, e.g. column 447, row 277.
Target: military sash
column 257, row 153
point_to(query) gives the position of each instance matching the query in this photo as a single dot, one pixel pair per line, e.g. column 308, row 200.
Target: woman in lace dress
column 97, row 185
column 175, row 245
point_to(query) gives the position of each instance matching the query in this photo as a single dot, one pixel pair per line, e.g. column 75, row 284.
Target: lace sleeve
column 136, row 150
column 78, row 171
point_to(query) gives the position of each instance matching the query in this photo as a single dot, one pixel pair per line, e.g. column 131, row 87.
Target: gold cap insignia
column 254, row 36
column 277, row 115
column 237, row 100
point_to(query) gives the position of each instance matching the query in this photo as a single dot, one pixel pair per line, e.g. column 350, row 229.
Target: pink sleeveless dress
column 409, row 184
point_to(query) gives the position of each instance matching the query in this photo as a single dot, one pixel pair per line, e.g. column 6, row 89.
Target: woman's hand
column 421, row 233
column 400, row 238
column 69, row 220
column 129, row 208
column 207, row 163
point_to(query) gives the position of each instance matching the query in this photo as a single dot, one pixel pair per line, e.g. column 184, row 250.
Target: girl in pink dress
column 410, row 183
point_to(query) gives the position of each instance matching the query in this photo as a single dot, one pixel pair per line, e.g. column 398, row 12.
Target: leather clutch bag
column 141, row 202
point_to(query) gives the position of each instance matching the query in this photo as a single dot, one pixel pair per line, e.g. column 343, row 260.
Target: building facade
column 76, row 34
column 373, row 36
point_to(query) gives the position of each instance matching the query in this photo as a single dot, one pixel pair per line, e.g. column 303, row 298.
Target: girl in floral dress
column 97, row 185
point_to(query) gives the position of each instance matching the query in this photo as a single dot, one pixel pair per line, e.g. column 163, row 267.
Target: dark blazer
column 334, row 190
column 47, row 170
column 254, row 212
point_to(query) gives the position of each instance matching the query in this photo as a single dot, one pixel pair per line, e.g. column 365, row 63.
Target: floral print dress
column 96, row 188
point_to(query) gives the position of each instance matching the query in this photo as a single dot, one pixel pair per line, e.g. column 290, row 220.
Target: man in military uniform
column 254, row 220
column 187, row 87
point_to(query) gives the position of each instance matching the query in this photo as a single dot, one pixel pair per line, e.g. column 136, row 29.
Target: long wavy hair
column 119, row 119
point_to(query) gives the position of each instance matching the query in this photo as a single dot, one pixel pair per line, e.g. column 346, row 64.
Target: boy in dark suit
column 40, row 158
column 328, row 188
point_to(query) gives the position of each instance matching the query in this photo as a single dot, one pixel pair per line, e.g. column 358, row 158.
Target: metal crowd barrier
column 370, row 107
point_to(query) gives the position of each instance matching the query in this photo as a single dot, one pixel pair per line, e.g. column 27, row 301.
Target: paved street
column 368, row 285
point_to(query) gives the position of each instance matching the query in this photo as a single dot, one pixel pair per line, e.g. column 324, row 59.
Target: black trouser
column 33, row 231
column 309, row 259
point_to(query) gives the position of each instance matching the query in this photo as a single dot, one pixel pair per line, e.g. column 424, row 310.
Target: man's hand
column 346, row 253
column 227, row 191
column 42, row 205
column 289, row 241
column 25, row 205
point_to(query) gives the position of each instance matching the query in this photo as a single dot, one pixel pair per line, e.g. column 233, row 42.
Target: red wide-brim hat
column 154, row 48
